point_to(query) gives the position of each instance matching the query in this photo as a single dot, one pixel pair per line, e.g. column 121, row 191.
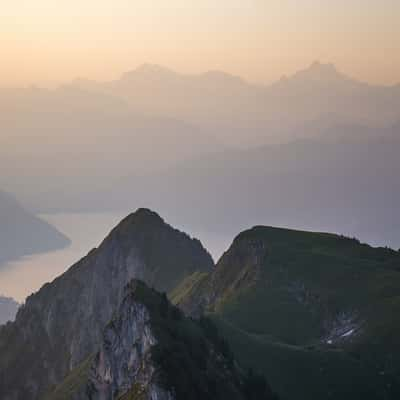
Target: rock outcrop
column 150, row 351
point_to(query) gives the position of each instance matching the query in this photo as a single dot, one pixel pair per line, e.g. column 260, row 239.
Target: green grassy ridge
column 322, row 242
column 326, row 285
column 186, row 286
column 307, row 284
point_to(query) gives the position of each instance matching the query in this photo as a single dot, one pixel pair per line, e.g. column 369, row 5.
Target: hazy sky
column 49, row 41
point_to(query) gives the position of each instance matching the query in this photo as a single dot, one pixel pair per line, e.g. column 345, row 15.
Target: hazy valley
column 316, row 150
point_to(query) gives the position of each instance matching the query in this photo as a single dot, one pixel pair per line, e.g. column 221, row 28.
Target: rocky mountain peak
column 142, row 216
column 148, row 71
column 81, row 301
column 320, row 73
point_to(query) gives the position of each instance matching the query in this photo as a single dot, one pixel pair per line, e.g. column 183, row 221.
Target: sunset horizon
column 199, row 200
column 44, row 44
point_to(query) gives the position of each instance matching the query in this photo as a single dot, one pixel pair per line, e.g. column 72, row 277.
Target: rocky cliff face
column 61, row 325
column 150, row 351
column 123, row 367
column 124, row 360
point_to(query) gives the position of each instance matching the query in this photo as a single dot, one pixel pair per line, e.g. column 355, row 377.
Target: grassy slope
column 300, row 373
column 306, row 282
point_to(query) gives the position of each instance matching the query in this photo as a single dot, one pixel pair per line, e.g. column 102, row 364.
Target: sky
column 46, row 42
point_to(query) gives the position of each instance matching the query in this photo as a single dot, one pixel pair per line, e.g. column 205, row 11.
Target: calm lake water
column 20, row 278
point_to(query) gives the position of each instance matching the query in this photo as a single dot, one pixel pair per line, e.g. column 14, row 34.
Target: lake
column 21, row 277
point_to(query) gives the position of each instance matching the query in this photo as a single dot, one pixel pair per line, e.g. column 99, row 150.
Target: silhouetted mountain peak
column 148, row 71
column 142, row 216
column 318, row 71
column 324, row 67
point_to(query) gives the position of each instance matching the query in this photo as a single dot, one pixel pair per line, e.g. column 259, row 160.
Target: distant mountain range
column 314, row 313
column 22, row 233
column 316, row 150
column 344, row 180
column 247, row 114
column 8, row 309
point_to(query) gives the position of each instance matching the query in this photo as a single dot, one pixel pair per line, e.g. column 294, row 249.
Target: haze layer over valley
column 315, row 150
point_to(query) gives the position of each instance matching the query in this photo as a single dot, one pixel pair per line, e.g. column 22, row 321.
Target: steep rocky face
column 149, row 351
column 61, row 325
column 125, row 355
column 123, row 367
column 124, row 363
column 322, row 302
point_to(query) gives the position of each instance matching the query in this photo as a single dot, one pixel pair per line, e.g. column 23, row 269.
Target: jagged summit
column 318, row 66
column 157, row 73
column 320, row 72
column 142, row 216
column 143, row 213
column 146, row 232
column 148, row 70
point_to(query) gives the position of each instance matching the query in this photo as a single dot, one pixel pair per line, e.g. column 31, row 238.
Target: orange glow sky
column 45, row 42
